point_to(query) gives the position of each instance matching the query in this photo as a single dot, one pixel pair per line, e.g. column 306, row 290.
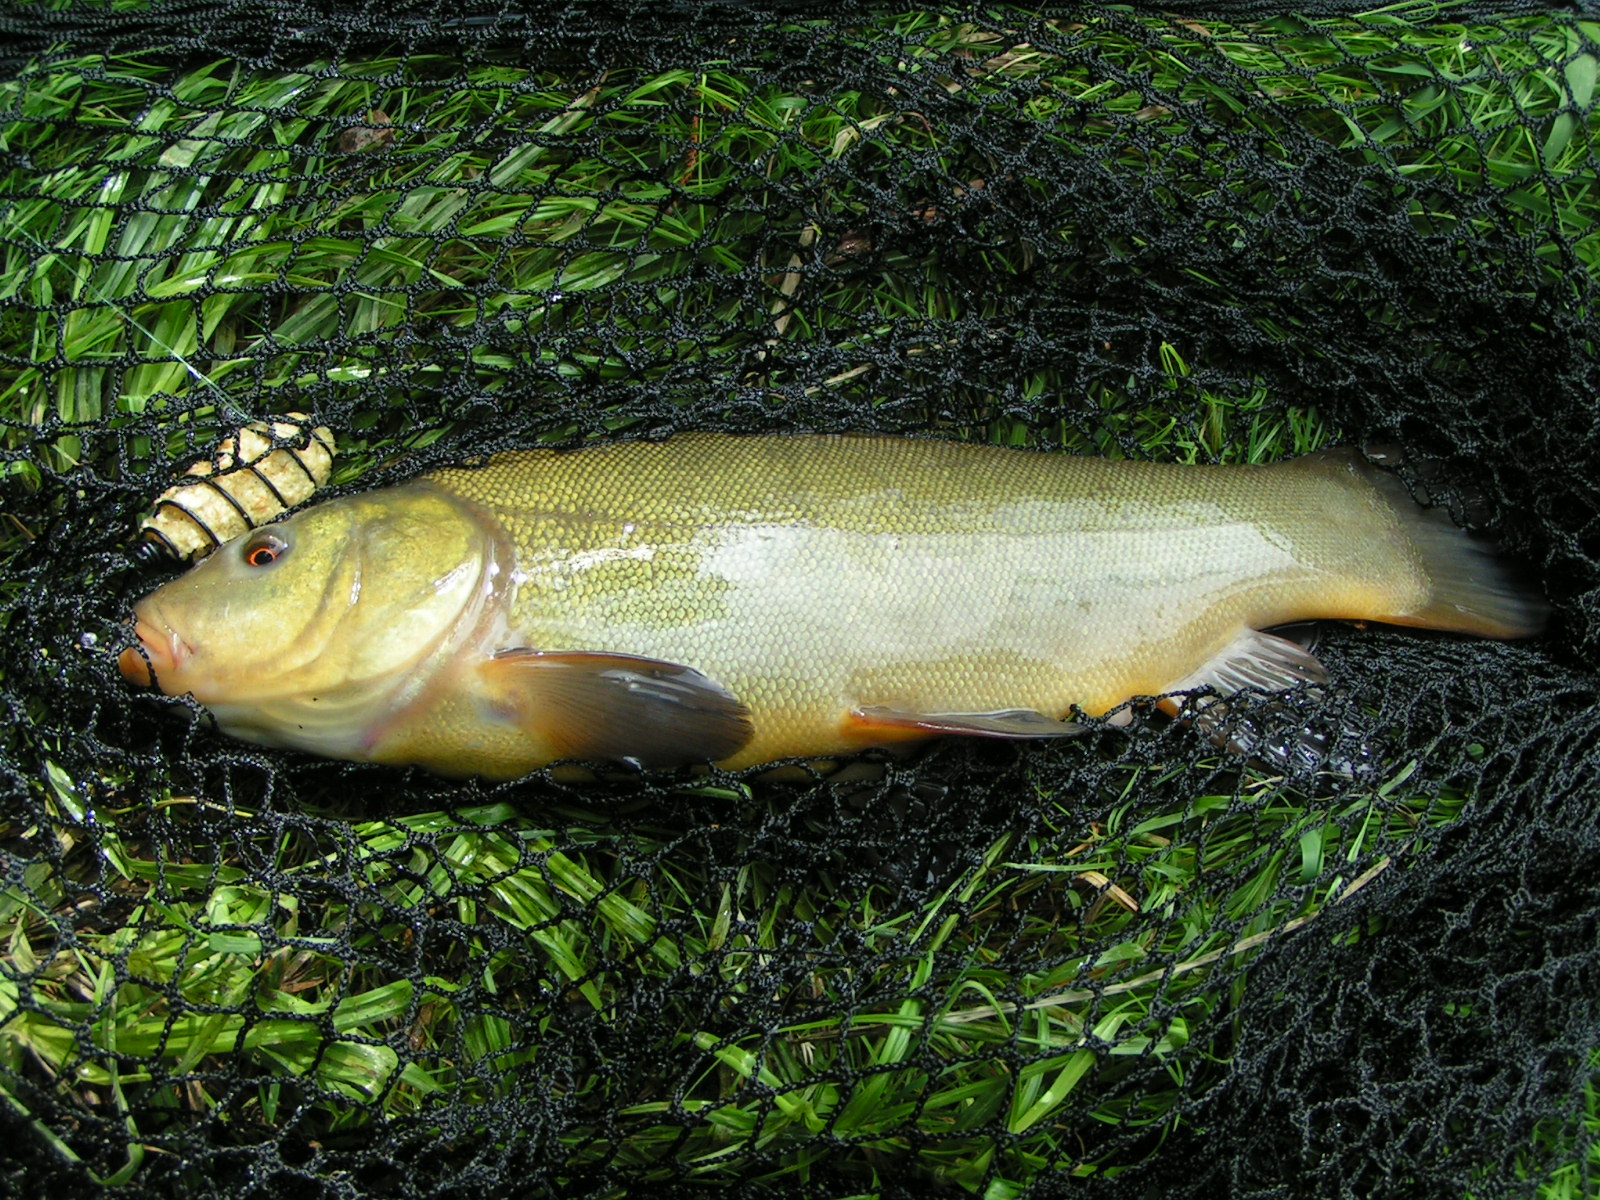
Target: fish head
column 308, row 631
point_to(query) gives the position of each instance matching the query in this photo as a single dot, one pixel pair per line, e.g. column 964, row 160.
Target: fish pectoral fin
column 595, row 705
column 870, row 724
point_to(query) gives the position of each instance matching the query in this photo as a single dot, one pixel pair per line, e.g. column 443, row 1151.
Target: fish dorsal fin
column 595, row 705
column 871, row 724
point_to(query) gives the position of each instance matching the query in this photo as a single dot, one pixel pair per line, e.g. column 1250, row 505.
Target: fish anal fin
column 1262, row 661
column 1278, row 733
column 873, row 725
column 596, row 705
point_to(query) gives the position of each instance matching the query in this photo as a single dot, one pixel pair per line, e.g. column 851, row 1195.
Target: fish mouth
column 158, row 655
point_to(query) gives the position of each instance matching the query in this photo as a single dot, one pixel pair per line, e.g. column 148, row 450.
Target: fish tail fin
column 1471, row 589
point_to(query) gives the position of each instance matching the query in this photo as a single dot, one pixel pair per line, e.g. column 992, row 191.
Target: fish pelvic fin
column 1470, row 589
column 877, row 725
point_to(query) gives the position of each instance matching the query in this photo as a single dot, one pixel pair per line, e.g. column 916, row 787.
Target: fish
column 741, row 600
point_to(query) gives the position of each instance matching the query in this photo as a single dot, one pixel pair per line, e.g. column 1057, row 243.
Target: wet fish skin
column 747, row 599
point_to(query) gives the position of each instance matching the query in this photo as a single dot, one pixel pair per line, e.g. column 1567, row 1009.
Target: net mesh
column 1124, row 964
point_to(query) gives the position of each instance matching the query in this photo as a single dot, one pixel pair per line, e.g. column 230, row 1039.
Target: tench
column 738, row 600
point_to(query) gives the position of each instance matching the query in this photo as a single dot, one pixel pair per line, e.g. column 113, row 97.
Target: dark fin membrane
column 869, row 723
column 620, row 707
column 1472, row 589
column 1276, row 732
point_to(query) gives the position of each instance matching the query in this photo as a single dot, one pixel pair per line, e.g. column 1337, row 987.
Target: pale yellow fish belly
column 814, row 577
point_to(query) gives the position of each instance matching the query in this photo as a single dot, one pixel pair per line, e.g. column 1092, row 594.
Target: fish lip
column 160, row 654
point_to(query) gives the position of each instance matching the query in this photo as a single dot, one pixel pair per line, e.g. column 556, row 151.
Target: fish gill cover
column 1121, row 964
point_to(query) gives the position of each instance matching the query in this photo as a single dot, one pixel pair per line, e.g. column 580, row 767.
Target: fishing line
column 225, row 404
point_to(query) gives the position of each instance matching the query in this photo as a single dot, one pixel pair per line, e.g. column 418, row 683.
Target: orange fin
column 595, row 705
column 888, row 724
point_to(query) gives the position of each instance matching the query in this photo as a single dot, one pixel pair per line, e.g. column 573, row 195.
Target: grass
column 908, row 1042
column 190, row 236
column 183, row 246
column 1573, row 1145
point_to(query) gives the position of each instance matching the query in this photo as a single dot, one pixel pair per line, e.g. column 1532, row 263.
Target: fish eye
column 263, row 549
